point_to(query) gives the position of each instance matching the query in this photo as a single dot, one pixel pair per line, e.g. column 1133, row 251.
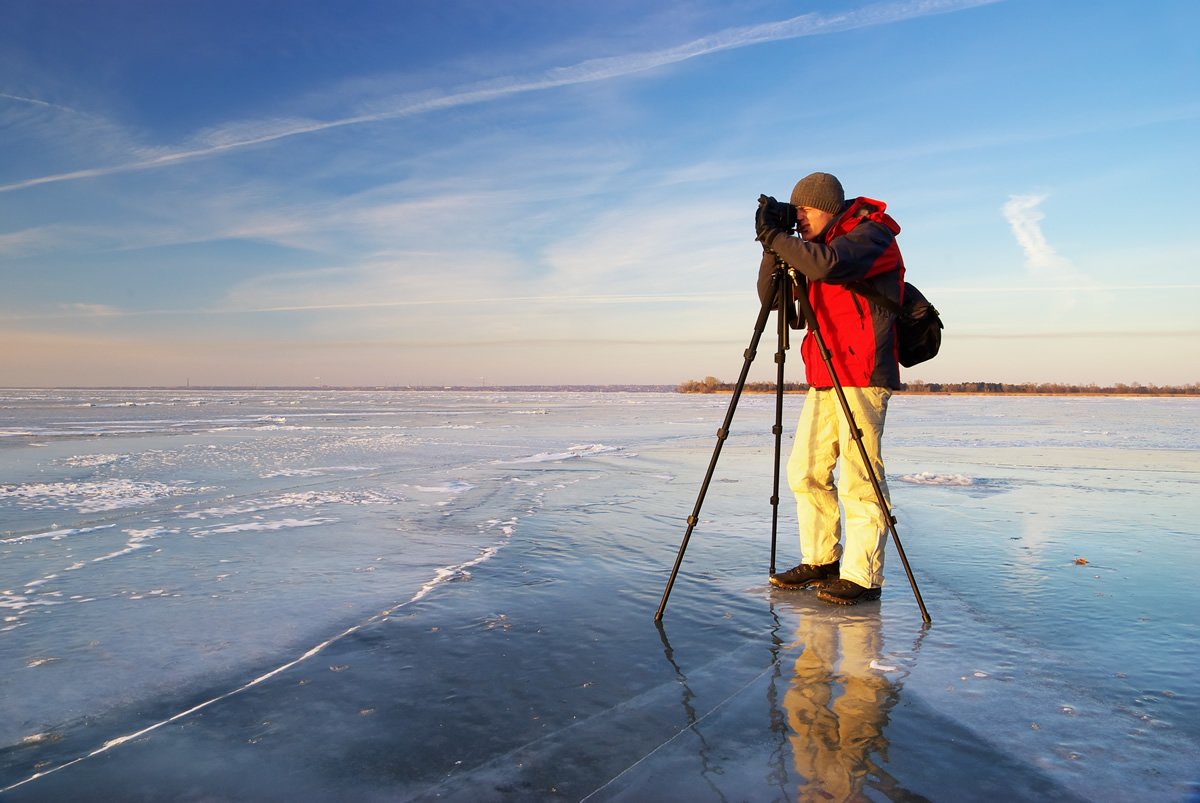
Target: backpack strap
column 871, row 295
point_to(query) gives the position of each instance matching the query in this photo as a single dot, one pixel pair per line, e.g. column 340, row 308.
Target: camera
column 773, row 214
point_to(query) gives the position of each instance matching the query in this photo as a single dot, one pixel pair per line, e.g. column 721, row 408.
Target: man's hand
column 772, row 218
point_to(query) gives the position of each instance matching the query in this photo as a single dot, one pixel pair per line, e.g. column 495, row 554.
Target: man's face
column 811, row 222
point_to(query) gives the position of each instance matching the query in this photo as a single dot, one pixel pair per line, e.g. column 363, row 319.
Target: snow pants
column 822, row 437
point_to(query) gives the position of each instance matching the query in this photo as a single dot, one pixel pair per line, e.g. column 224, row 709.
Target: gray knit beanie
column 819, row 191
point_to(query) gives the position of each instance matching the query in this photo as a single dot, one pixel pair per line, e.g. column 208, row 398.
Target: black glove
column 772, row 218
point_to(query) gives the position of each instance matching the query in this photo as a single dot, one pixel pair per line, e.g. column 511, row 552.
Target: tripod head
column 788, row 287
column 799, row 280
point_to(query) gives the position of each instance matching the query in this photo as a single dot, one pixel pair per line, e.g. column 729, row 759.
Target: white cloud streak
column 65, row 311
column 36, row 102
column 89, row 310
column 27, row 241
column 1024, row 217
column 249, row 133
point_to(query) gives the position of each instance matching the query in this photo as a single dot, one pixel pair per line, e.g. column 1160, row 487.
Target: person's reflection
column 837, row 707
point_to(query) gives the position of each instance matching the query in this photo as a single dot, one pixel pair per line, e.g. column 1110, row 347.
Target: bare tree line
column 711, row 384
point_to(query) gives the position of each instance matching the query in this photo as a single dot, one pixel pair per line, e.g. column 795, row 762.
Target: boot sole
column 809, row 584
column 867, row 597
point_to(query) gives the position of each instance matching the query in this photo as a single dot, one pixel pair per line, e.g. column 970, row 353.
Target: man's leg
column 810, row 475
column 866, row 525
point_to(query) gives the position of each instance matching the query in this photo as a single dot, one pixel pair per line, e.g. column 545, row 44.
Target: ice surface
column 318, row 595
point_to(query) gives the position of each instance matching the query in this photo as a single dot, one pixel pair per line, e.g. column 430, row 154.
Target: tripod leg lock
column 750, row 354
column 722, row 433
column 777, row 429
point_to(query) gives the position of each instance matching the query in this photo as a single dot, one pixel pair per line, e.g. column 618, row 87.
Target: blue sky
column 461, row 192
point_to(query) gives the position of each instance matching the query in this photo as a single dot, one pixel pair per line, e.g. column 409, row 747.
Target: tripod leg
column 759, row 326
column 783, row 287
column 815, row 330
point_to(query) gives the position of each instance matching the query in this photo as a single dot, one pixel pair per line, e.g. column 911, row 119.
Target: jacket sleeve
column 766, row 272
column 766, row 269
column 850, row 257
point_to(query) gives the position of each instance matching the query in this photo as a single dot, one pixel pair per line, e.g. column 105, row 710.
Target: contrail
column 1023, row 216
column 37, row 102
column 584, row 72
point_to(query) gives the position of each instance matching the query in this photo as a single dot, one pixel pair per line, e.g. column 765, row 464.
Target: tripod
column 783, row 280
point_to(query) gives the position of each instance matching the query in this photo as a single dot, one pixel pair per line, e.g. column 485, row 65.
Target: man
column 840, row 242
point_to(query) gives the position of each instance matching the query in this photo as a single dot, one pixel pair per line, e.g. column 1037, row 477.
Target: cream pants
column 821, row 438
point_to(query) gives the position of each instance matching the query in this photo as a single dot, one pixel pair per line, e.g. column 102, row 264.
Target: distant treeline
column 1054, row 388
column 713, row 385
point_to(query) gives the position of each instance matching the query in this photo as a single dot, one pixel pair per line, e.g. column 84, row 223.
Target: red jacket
column 859, row 245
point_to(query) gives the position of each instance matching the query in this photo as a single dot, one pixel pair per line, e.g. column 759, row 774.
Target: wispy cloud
column 42, row 103
column 244, row 134
column 657, row 298
column 89, row 310
column 28, row 241
column 66, row 311
column 1024, row 216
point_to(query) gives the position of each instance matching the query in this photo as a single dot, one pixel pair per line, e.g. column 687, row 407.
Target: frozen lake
column 399, row 595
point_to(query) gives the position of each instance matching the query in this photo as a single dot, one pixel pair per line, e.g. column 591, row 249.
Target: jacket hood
column 870, row 209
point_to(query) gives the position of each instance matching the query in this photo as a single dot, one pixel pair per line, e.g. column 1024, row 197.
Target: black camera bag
column 918, row 325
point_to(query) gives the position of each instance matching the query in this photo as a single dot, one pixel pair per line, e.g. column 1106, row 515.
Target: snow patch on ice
column 56, row 534
column 92, row 497
column 280, row 428
column 262, row 526
column 571, row 453
column 94, row 460
column 450, row 487
column 304, row 500
column 17, row 602
column 137, row 539
column 929, row 478
column 314, row 472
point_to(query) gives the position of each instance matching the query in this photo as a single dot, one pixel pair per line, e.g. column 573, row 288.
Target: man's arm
column 853, row 256
column 766, row 287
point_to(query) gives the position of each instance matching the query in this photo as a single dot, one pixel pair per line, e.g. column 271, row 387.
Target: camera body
column 774, row 214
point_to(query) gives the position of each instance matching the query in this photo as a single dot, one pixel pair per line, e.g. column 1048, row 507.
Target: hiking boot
column 805, row 575
column 847, row 592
